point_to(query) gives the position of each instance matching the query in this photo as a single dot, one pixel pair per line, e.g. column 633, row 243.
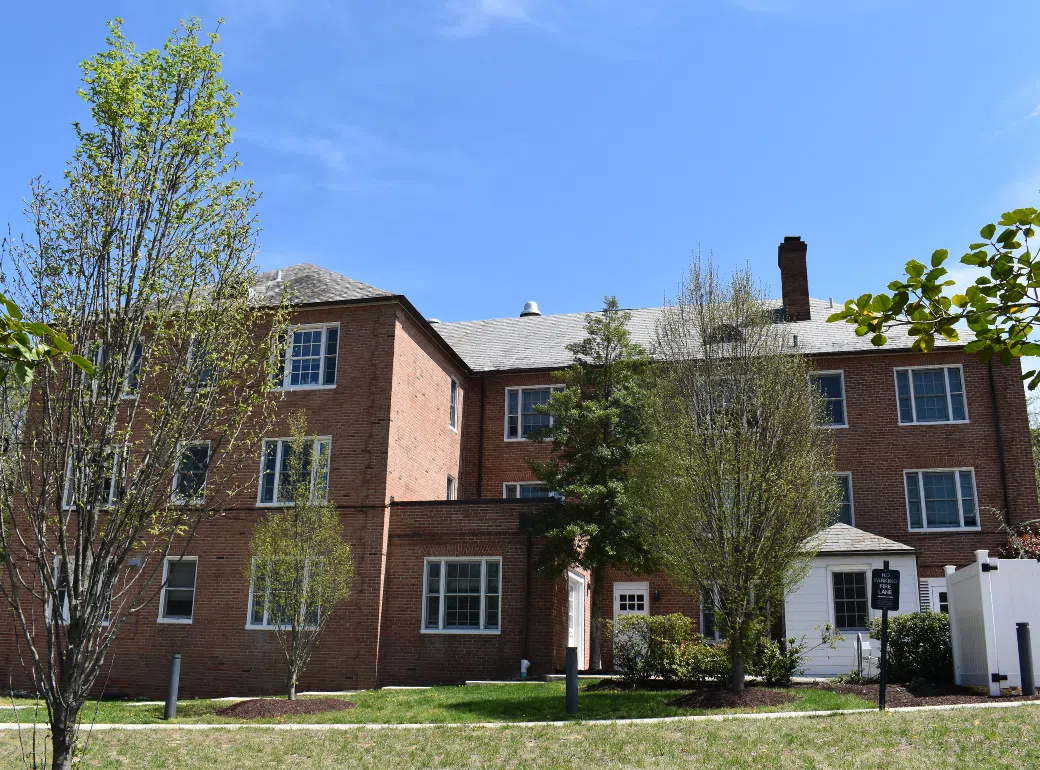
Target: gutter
column 1000, row 442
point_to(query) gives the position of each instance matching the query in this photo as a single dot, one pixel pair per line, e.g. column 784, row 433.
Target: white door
column 631, row 599
column 938, row 597
column 576, row 614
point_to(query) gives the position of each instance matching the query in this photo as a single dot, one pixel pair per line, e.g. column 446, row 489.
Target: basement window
column 462, row 596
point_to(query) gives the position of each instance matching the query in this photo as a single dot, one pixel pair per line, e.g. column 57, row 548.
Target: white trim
column 835, row 568
column 633, row 587
column 266, row 626
column 286, row 359
column 454, row 390
column 452, row 488
column 844, row 398
column 126, row 394
column 118, row 472
column 278, row 464
column 444, row 561
column 174, row 497
column 946, row 386
column 579, row 613
column 552, row 388
column 924, row 528
column 852, row 501
column 162, row 593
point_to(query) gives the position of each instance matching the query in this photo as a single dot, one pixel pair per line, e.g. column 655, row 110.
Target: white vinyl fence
column 987, row 599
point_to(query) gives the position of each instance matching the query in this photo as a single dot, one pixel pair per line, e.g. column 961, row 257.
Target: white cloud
column 473, row 17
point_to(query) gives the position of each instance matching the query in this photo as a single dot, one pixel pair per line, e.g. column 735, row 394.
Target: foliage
column 777, row 662
column 665, row 647
column 300, row 558
column 1002, row 307
column 733, row 479
column 598, row 423
column 144, row 259
column 919, row 646
column 855, row 677
column 24, row 345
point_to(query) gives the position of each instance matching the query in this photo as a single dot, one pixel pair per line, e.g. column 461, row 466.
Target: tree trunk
column 63, row 738
column 595, row 615
column 736, row 661
column 293, row 674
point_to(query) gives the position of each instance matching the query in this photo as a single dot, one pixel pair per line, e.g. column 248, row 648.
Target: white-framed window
column 711, row 604
column 177, row 599
column 462, row 595
column 269, row 607
column 308, row 357
column 933, row 595
column 931, row 394
column 941, row 499
column 61, row 584
column 849, row 598
column 189, row 477
column 132, row 383
column 200, row 363
column 522, row 419
column 111, row 484
column 275, row 469
column 525, row 490
column 453, row 405
column 831, row 386
column 846, row 510
column 453, row 493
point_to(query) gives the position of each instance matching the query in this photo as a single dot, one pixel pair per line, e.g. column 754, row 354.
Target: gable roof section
column 540, row 342
column 311, row 285
column 841, row 538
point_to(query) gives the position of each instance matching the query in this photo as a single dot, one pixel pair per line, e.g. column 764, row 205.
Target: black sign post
column 884, row 596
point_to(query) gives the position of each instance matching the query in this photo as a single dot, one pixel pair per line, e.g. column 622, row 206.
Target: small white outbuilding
column 836, row 592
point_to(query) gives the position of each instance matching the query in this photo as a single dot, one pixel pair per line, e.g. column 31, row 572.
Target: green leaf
column 949, row 333
column 987, row 231
column 881, row 303
column 915, row 268
column 863, row 302
column 82, row 363
column 959, row 300
column 878, row 340
column 939, row 256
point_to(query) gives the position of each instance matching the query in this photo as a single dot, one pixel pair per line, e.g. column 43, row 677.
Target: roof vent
column 279, row 276
column 530, row 308
column 433, row 320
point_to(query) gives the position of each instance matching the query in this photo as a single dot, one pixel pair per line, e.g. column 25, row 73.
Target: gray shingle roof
column 310, row 284
column 540, row 342
column 841, row 538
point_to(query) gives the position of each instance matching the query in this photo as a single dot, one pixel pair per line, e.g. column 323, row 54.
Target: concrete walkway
column 11, row 726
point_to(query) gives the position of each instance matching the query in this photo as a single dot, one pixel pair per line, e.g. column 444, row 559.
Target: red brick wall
column 424, row 449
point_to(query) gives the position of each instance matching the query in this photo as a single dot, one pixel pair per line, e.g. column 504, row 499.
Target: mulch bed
column 724, row 698
column 930, row 695
column 277, row 707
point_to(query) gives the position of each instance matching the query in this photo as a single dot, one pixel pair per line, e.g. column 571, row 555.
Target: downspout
column 527, row 601
column 480, row 446
column 1000, row 442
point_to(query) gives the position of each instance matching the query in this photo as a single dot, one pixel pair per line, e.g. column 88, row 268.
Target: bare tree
column 144, row 259
column 735, row 477
column 301, row 566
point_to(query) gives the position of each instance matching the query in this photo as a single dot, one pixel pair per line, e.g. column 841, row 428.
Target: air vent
column 530, row 308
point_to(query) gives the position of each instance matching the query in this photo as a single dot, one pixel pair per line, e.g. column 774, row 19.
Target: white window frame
column 844, row 398
column 118, row 471
column 960, row 505
column 193, row 346
column 453, row 405
column 716, row 633
column 929, row 587
column 127, row 394
column 174, row 497
column 453, row 488
column 913, row 398
column 632, row 587
column 64, row 620
column 162, row 594
column 267, row 625
column 831, row 613
column 282, row 441
column 852, row 499
column 444, row 561
column 520, row 407
column 519, row 484
column 286, row 358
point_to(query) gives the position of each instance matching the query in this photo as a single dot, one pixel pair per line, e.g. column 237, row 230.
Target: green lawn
column 968, row 738
column 528, row 702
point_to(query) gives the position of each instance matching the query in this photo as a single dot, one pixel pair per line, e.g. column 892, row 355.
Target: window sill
column 250, row 627
column 292, row 388
column 942, row 530
column 174, row 621
column 936, row 422
column 463, row 631
column 522, row 440
column 833, row 427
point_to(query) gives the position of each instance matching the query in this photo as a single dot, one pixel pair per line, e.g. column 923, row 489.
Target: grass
column 996, row 738
column 530, row 702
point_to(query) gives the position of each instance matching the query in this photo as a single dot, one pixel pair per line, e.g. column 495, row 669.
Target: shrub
column 918, row 646
column 776, row 663
column 665, row 647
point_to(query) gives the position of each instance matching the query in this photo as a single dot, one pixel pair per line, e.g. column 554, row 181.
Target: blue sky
column 474, row 154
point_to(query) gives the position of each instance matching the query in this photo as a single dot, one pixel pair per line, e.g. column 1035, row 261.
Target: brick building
column 425, row 426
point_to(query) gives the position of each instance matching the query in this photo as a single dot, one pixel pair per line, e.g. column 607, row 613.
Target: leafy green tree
column 734, row 478
column 301, row 567
column 597, row 424
column 1002, row 307
column 24, row 345
column 144, row 258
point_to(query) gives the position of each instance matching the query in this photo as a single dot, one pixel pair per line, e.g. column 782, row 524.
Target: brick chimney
column 794, row 280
